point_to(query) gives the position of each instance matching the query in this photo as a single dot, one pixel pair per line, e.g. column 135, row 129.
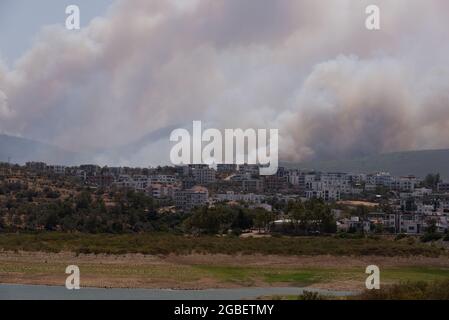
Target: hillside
column 418, row 163
column 20, row 150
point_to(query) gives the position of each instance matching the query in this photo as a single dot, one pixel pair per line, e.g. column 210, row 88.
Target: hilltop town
column 226, row 199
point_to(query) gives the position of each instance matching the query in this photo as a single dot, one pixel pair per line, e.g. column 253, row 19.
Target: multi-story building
column 379, row 179
column 443, row 205
column 443, row 187
column 191, row 198
column 56, row 169
column 250, row 169
column 403, row 183
column 198, row 166
column 124, row 181
column 325, row 194
column 421, row 192
column 410, row 223
column 282, row 172
column 305, row 178
column 275, row 183
column 340, row 181
column 245, row 197
column 163, row 178
column 182, row 171
column 293, row 177
column 203, row 175
column 102, row 180
column 36, row 166
column 141, row 183
column 161, row 190
column 226, row 168
column 90, row 169
column 252, row 185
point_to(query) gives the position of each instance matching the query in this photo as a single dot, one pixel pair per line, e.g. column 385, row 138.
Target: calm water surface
column 31, row 292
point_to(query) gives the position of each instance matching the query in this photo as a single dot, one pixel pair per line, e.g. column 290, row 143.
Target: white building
column 245, row 197
column 325, row 194
column 163, row 179
column 191, row 198
column 163, row 190
column 204, row 175
column 403, row 183
column 57, row 169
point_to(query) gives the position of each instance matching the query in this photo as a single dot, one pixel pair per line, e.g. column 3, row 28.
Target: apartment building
column 249, row 169
column 191, row 198
column 403, row 183
column 124, row 181
column 293, row 177
column 443, row 187
column 252, row 185
column 245, row 197
column 161, row 190
column 162, row 179
column 56, row 169
column 410, row 223
column 379, row 179
column 325, row 194
column 204, row 175
column 36, row 166
column 226, row 168
column 275, row 183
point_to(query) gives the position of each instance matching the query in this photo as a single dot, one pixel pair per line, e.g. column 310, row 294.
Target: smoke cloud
column 309, row 68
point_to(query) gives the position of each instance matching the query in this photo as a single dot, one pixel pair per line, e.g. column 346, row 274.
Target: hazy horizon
column 138, row 68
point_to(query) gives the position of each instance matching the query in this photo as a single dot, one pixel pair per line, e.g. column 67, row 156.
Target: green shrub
column 165, row 243
column 428, row 237
column 400, row 236
column 437, row 290
column 446, row 237
column 308, row 295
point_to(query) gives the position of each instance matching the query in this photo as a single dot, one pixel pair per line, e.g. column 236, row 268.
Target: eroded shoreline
column 206, row 271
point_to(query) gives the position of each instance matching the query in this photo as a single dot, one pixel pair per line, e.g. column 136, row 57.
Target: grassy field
column 315, row 275
column 408, row 290
column 162, row 272
column 167, row 243
column 174, row 261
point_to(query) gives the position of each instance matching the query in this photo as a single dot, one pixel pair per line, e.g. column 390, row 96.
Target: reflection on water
column 28, row 292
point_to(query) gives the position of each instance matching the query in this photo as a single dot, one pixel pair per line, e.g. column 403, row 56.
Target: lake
column 37, row 292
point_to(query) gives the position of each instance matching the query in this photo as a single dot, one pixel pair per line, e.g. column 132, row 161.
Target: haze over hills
column 20, row 150
column 418, row 163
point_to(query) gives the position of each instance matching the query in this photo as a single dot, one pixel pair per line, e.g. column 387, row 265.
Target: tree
column 203, row 221
column 297, row 213
column 84, row 200
column 432, row 180
column 243, row 220
column 431, row 233
column 262, row 218
column 51, row 221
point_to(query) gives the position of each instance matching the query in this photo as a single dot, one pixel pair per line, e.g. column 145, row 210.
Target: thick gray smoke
column 307, row 67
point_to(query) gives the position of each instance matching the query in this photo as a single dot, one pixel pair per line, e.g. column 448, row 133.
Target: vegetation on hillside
column 165, row 243
column 46, row 204
column 437, row 290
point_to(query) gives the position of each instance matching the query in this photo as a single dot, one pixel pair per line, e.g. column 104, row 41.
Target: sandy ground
column 325, row 261
column 179, row 272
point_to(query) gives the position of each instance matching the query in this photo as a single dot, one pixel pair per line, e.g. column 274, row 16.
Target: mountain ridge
column 20, row 150
column 400, row 163
column 420, row 162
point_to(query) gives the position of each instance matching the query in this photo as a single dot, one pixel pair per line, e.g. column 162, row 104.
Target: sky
column 309, row 68
column 21, row 20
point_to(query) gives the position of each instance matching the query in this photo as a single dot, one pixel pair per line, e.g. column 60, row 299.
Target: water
column 31, row 292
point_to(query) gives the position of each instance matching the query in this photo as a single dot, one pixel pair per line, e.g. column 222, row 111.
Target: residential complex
column 396, row 204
